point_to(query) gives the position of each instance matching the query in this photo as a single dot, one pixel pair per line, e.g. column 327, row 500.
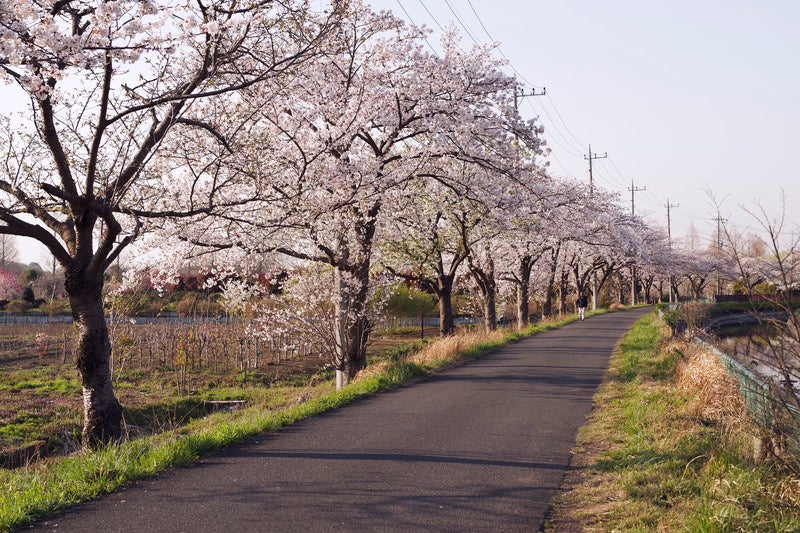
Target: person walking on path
column 582, row 305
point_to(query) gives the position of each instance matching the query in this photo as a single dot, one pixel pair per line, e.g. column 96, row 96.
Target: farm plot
column 164, row 375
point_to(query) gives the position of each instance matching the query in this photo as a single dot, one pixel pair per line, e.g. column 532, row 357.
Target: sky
column 684, row 97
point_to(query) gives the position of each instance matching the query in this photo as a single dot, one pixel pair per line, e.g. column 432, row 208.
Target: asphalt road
column 480, row 447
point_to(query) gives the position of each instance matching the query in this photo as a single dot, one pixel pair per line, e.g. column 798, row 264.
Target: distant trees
column 8, row 249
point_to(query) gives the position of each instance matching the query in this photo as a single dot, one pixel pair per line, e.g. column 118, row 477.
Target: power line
column 499, row 50
column 415, row 24
column 566, row 172
column 489, row 35
column 618, row 181
column 562, row 121
column 422, row 3
column 458, row 19
column 572, row 150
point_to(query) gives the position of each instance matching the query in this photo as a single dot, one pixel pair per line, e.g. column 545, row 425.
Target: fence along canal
column 766, row 401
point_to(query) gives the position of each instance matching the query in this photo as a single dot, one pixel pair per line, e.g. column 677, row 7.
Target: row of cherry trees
column 235, row 132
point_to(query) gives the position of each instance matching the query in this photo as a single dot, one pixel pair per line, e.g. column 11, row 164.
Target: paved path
column 480, row 447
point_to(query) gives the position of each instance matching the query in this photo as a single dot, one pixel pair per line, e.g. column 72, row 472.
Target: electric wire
column 458, row 19
column 567, row 173
column 428, row 11
column 500, row 50
column 415, row 24
column 569, row 148
column 580, row 143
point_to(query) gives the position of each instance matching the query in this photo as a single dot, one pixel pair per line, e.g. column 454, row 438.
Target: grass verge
column 668, row 448
column 40, row 489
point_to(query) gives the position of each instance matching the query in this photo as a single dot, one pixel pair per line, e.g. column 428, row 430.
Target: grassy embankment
column 670, row 448
column 32, row 492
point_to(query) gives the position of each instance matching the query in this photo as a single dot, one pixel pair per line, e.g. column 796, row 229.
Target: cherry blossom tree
column 444, row 232
column 430, row 247
column 531, row 231
column 339, row 149
column 108, row 84
column 510, row 237
column 10, row 287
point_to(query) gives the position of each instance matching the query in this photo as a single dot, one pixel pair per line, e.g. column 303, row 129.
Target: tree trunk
column 489, row 311
column 351, row 326
column 484, row 277
column 563, row 291
column 547, row 309
column 675, row 292
column 102, row 412
column 523, row 299
column 445, row 295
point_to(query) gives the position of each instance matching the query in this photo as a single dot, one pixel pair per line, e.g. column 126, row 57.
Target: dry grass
column 438, row 353
column 715, row 393
column 448, row 349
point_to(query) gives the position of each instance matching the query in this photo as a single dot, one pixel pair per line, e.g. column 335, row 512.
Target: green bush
column 406, row 301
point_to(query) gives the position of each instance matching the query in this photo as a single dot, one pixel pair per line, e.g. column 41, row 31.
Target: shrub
column 675, row 320
column 55, row 307
column 28, row 296
column 19, row 306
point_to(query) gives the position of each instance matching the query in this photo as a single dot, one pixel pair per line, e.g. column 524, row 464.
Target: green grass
column 662, row 467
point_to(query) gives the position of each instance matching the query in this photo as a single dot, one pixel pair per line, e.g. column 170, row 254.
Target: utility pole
column 669, row 244
column 634, row 190
column 591, row 158
column 519, row 94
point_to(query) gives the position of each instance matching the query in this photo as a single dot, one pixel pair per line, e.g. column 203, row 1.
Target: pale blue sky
column 683, row 95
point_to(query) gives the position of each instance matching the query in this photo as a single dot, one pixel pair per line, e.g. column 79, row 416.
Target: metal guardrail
column 34, row 319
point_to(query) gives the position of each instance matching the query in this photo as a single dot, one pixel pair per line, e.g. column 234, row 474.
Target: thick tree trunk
column 523, row 310
column 484, row 277
column 490, row 311
column 351, row 326
column 446, row 324
column 523, row 280
column 547, row 309
column 102, row 411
